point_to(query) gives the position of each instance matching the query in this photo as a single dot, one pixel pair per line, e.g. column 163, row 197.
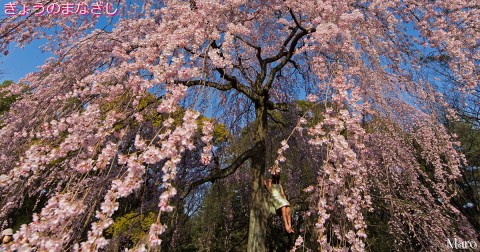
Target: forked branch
column 219, row 173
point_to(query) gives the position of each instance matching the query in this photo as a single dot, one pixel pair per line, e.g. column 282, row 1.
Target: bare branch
column 296, row 21
column 286, row 59
column 218, row 86
column 282, row 49
column 218, row 173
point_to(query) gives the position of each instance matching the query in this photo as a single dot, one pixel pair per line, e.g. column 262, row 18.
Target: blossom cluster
column 120, row 188
column 298, row 242
column 343, row 165
column 50, row 229
column 207, row 137
column 181, row 137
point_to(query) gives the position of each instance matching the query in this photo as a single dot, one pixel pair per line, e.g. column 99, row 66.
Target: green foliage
column 6, row 99
column 314, row 111
column 469, row 187
column 220, row 223
column 151, row 114
column 220, row 131
column 146, row 100
column 24, row 215
column 469, row 136
column 71, row 103
column 132, row 225
column 379, row 237
column 20, row 219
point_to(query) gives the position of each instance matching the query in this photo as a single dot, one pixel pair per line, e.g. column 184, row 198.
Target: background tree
column 465, row 125
column 6, row 98
column 99, row 129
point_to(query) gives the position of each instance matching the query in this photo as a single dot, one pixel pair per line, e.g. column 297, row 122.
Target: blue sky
column 21, row 61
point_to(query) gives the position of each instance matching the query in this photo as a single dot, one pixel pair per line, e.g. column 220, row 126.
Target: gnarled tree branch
column 218, row 173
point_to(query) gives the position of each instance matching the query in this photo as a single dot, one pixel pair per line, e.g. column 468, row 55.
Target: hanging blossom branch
column 275, row 169
column 341, row 168
column 207, row 137
column 173, row 144
column 120, row 188
column 50, row 230
column 180, row 137
column 298, row 243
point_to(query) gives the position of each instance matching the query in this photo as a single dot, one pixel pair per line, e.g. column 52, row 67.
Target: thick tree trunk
column 258, row 211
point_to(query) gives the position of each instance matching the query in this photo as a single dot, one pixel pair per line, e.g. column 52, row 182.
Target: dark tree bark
column 258, row 212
